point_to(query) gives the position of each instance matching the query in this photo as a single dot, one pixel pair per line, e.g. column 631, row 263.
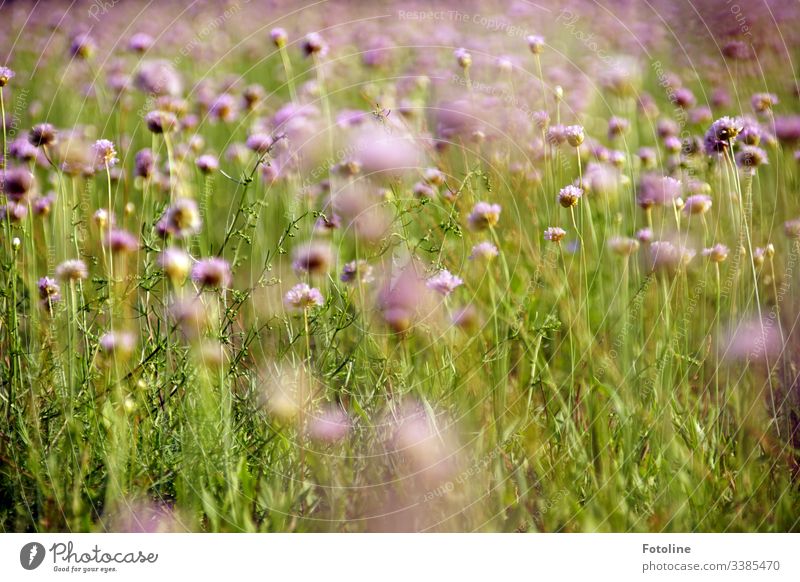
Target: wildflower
column 82, row 47
column 117, row 343
column 14, row 212
column 105, row 155
column 259, row 143
column 180, row 220
column 720, row 135
column 42, row 135
column 302, row 296
column 554, row 234
column 647, row 156
column 329, row 426
column 556, row 135
column 752, row 340
column 751, row 132
column 697, row 204
column 16, row 183
column 433, row 176
column 313, row 258
column 207, row 164
column 463, row 58
column 357, row 271
column 484, row 251
column 665, row 255
column 253, row 95
column 574, row 135
column 144, row 163
column 279, row 37
column 444, row 282
column 224, row 108
column 175, row 263
column 140, row 42
column 623, row 246
column 102, row 218
column 737, row 50
column 121, row 241
column 42, row 205
column 751, row 157
column 6, row 75
column 787, row 128
column 535, row 43
column 72, row 270
column 672, row 144
column 761, row 253
column 569, row 196
column 49, row 291
column 466, row 318
column 792, row 228
column 684, row 98
column 313, row 44
column 214, row 272
column 762, row 102
column 717, row 253
column 484, row 215
column 423, row 190
column 617, row 126
column 655, row 190
column 161, row 121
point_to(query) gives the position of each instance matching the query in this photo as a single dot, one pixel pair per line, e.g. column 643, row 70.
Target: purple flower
column 214, row 272
column 144, row 163
column 117, row 343
column 82, row 46
column 357, row 271
column 49, row 290
column 762, row 102
column 279, row 37
column 313, row 258
column 535, row 43
column 180, row 220
column 42, row 134
column 655, row 190
column 6, row 75
column 313, row 44
column 484, row 251
column 42, row 205
column 330, row 425
column 463, row 58
column 697, row 204
column 444, row 282
column 751, row 157
column 72, row 270
column 158, row 78
column 15, row 183
column 574, row 135
column 554, row 234
column 161, row 121
column 259, row 143
column 721, row 134
column 301, row 296
column 175, row 263
column 14, row 212
column 207, row 164
column 105, row 155
column 484, row 215
column 717, row 253
column 140, row 42
column 121, row 241
column 787, row 128
column 569, row 196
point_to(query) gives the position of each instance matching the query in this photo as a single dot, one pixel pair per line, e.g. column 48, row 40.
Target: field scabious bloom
column 313, row 258
column 117, row 344
column 42, row 135
column 484, row 215
column 214, row 273
column 105, row 155
column 121, row 241
column 49, row 292
column 444, row 282
column 303, row 296
column 357, row 271
column 72, row 270
column 314, row 45
column 623, row 246
column 554, row 234
column 181, row 220
column 569, row 196
column 697, row 204
column 6, row 75
column 176, row 264
column 484, row 251
column 751, row 157
column 717, row 254
column 721, row 134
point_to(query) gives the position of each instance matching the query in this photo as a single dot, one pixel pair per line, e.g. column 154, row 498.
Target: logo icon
column 31, row 555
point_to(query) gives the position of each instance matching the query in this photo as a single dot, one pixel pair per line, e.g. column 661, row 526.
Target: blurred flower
column 207, row 164
column 302, row 296
column 655, row 190
column 792, row 228
column 574, row 135
column 121, row 241
column 72, row 270
column 82, row 46
column 144, row 163
column 181, row 220
column 484, row 251
column 49, row 292
column 787, row 128
column 176, row 264
column 463, row 58
column 554, row 234
column 105, row 155
column 752, row 340
column 313, row 44
column 357, row 271
column 213, row 272
column 644, row 235
column 140, row 42
column 161, row 121
column 484, row 215
column 751, row 157
column 16, row 183
column 279, row 37
column 763, row 102
column 444, row 282
column 569, row 196
column 314, row 258
column 330, row 425
column 721, row 134
column 717, row 253
column 697, row 204
column 158, row 78
column 117, row 344
column 666, row 256
column 623, row 246
column 535, row 43
column 6, row 75
column 42, row 135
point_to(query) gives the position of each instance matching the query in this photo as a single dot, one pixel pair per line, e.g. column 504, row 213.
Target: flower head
column 575, row 135
column 314, row 258
column 535, row 43
column 207, row 164
column 717, row 253
column 180, row 220
column 554, row 234
column 176, row 264
column 357, row 271
column 721, row 133
column 302, row 296
column 6, row 75
column 279, row 37
column 105, row 155
column 463, row 58
column 72, row 270
column 569, row 196
column 121, row 241
column 623, row 246
column 42, row 134
column 484, row 215
column 484, row 251
column 444, row 282
column 213, row 272
column 697, row 204
column 313, row 44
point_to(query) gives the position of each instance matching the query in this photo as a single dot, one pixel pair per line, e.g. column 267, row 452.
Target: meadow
column 341, row 267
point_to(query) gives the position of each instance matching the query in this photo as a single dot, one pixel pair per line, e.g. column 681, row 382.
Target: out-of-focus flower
column 761, row 253
column 43, row 205
column 569, row 196
column 82, row 46
column 158, row 78
column 49, row 292
column 751, row 157
column 140, row 42
column 721, row 134
column 314, row 258
column 72, row 270
column 117, row 344
column 792, row 228
column 684, row 98
column 535, row 43
column 718, row 253
column 763, row 102
column 313, row 44
column 105, row 155
column 483, row 251
column 121, row 241
column 644, row 236
column 484, row 215
column 207, row 164
column 42, row 135
column 444, row 282
column 16, row 183
column 655, row 190
column 180, row 220
column 161, row 121
column 6, row 75
column 554, row 234
column 213, row 272
column 752, row 340
column 330, row 425
column 355, row 271
column 667, row 256
column 617, row 126
column 144, row 163
column 176, row 264
column 574, row 135
column 303, row 296
column 463, row 58
column 697, row 204
column 623, row 246
column 279, row 37
column 787, row 129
